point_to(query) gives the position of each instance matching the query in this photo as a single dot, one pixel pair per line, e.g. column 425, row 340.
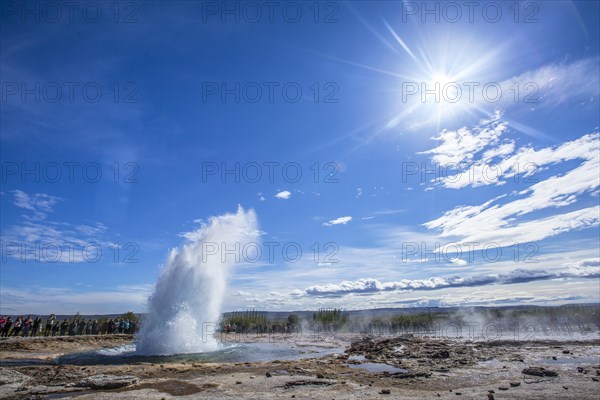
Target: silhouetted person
column 37, row 326
column 49, row 325
column 64, row 327
column 7, row 326
column 27, row 323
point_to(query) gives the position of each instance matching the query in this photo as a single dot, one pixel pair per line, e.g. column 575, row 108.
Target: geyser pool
column 185, row 307
column 230, row 350
column 227, row 352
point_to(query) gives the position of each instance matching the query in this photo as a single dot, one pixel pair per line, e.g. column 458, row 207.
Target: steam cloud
column 186, row 304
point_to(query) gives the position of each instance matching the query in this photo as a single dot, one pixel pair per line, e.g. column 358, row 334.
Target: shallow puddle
column 23, row 362
column 357, row 358
column 377, row 368
column 494, row 362
column 243, row 352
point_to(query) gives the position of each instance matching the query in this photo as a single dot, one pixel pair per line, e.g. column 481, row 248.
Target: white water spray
column 186, row 304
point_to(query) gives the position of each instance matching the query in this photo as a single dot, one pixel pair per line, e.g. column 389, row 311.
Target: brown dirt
column 435, row 369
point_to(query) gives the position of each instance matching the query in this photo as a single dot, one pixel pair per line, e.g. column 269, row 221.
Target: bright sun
column 439, row 78
column 442, row 78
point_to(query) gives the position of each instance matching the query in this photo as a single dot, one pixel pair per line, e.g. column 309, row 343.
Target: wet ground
column 343, row 366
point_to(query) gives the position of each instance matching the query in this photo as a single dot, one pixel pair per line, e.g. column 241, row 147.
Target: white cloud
column 553, row 85
column 550, row 86
column 42, row 240
column 458, row 261
column 357, row 263
column 284, row 195
column 338, row 221
column 460, row 146
column 389, row 211
column 87, row 230
column 40, row 204
column 585, row 269
column 525, row 162
column 497, row 223
column 502, row 222
column 502, row 150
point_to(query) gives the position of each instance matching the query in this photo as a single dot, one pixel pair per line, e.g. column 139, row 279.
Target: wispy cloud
column 40, row 204
column 502, row 162
column 465, row 223
column 555, row 84
column 389, row 211
column 38, row 238
column 338, row 221
column 460, row 146
column 500, row 220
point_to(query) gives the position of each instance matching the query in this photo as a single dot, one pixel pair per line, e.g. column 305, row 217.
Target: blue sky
column 127, row 117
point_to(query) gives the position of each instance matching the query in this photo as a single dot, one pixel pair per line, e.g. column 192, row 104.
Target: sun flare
column 438, row 77
column 442, row 79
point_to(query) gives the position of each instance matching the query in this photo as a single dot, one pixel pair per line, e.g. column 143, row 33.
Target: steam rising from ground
column 186, row 304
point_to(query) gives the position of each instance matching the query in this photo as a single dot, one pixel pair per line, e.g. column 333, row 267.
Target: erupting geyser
column 185, row 307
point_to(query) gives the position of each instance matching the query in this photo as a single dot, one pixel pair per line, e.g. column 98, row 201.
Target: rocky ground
column 398, row 367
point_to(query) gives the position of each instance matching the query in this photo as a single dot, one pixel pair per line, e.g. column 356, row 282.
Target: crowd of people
column 52, row 326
